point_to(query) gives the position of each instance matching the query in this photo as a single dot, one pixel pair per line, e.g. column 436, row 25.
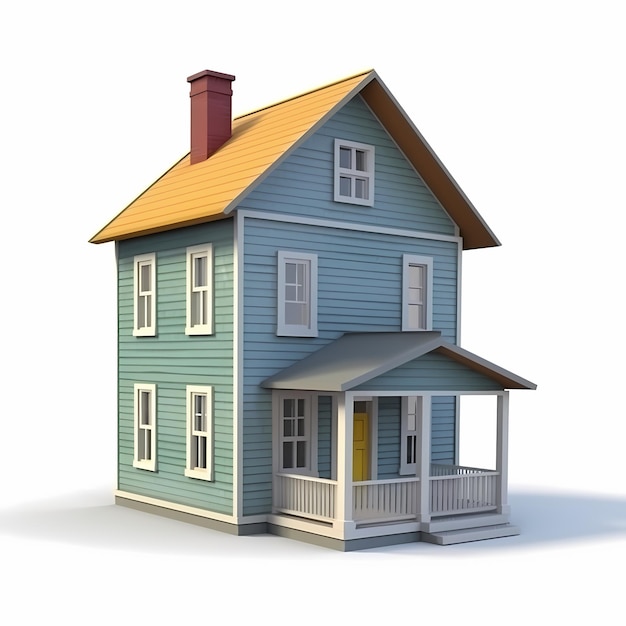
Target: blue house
column 289, row 297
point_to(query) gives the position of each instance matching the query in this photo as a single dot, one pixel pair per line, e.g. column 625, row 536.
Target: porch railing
column 456, row 489
column 385, row 499
column 305, row 496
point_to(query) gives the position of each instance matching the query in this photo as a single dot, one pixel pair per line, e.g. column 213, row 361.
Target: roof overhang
column 356, row 358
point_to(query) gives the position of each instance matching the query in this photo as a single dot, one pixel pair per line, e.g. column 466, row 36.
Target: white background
column 524, row 103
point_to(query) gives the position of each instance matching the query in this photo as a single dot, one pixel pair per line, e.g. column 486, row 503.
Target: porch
column 452, row 490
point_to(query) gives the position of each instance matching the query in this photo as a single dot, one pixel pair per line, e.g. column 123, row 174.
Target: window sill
column 198, row 474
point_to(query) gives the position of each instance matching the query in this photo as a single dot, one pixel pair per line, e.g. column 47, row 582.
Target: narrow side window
column 416, row 292
column 199, row 290
column 145, row 426
column 199, row 432
column 144, row 295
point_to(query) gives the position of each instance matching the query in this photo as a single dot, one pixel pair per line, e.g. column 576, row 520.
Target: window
column 416, row 292
column 295, row 434
column 411, row 412
column 199, row 432
column 354, row 172
column 297, row 294
column 145, row 426
column 144, row 286
column 199, row 290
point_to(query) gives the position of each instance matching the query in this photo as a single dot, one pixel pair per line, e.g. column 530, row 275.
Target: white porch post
column 502, row 453
column 344, row 462
column 423, row 463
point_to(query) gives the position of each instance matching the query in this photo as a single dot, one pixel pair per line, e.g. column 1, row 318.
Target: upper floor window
column 145, row 426
column 144, row 295
column 416, row 292
column 199, row 432
column 199, row 290
column 354, row 172
column 297, row 294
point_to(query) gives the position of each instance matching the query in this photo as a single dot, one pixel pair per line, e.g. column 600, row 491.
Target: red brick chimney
column 211, row 113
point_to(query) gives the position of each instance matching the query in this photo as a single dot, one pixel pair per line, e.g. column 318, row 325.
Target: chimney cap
column 210, row 73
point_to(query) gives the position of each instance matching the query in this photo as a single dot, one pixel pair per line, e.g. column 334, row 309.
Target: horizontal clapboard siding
column 359, row 289
column 173, row 360
column 434, row 372
column 303, row 184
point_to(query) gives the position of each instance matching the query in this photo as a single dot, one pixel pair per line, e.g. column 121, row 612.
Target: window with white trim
column 354, row 172
column 297, row 294
column 145, row 426
column 144, row 295
column 411, row 412
column 417, row 292
column 199, row 432
column 199, row 290
column 295, row 434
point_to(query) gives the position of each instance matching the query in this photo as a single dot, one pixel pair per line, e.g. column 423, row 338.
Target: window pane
column 360, row 161
column 301, row 427
column 416, row 275
column 141, row 312
column 301, row 454
column 415, row 316
column 411, row 422
column 288, row 428
column 287, row 454
column 200, row 271
column 345, row 158
column 291, row 293
column 291, row 272
column 198, row 300
column 144, row 281
column 416, row 296
column 296, row 314
column 145, row 408
column 345, row 188
column 360, row 188
column 301, row 407
column 288, row 407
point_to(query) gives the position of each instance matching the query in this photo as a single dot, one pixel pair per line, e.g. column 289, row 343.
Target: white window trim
column 144, row 331
column 146, row 464
column 369, row 174
column 427, row 263
column 200, row 329
column 297, row 330
column 409, row 469
column 193, row 472
column 311, row 426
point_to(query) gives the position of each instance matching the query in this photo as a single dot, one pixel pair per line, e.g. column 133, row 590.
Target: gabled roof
column 355, row 358
column 192, row 194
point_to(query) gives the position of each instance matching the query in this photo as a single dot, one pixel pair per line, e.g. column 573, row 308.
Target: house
column 288, row 330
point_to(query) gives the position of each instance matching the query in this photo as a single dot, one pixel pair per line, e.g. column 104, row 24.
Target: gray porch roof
column 355, row 358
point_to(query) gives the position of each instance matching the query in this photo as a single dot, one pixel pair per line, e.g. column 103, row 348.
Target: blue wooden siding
column 442, row 433
column 303, row 184
column 360, row 289
column 326, row 439
column 173, row 360
column 435, row 372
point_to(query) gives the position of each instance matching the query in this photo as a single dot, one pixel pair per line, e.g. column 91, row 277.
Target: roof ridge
column 305, row 93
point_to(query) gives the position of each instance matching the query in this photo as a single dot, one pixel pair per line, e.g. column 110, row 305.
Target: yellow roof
column 210, row 189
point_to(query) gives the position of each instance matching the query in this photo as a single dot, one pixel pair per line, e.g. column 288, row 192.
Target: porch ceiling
column 355, row 358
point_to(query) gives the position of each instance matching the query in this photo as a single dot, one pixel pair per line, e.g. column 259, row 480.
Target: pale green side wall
column 172, row 360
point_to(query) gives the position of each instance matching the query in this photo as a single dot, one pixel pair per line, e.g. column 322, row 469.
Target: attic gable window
column 144, row 295
column 199, row 290
column 354, row 172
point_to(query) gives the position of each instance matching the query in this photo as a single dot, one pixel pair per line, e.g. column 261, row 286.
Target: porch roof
column 356, row 358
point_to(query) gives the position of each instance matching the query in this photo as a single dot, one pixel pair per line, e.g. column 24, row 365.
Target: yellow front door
column 361, row 447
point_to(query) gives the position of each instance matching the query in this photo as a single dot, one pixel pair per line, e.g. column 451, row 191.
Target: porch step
column 449, row 537
column 464, row 522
